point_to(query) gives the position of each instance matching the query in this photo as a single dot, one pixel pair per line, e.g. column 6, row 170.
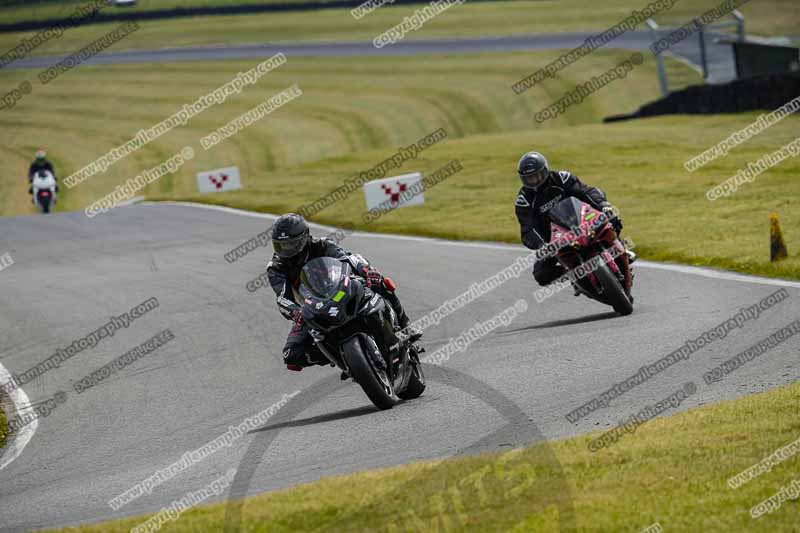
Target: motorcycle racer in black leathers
column 294, row 247
column 40, row 163
column 538, row 194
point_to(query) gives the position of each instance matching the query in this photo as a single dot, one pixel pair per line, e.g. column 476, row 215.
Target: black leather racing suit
column 284, row 276
column 532, row 206
column 37, row 166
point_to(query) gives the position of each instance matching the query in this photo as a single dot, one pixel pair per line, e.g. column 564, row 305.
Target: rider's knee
column 546, row 274
column 541, row 279
column 303, row 354
column 295, row 355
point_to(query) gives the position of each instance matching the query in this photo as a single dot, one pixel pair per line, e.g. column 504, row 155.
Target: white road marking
column 22, row 403
column 131, row 201
column 719, row 274
column 684, row 269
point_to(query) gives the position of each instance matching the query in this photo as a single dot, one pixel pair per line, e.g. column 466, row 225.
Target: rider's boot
column 630, row 296
column 631, row 254
column 411, row 332
column 318, row 358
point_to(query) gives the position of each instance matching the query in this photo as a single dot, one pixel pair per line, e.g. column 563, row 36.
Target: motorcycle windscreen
column 567, row 213
column 321, row 277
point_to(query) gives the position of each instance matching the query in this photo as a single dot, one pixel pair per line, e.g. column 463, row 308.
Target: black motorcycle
column 358, row 331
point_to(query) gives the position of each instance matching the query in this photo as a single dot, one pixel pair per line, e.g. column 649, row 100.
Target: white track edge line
column 17, row 443
column 684, row 269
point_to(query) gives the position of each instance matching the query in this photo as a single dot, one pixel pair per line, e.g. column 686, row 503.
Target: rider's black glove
column 374, row 278
column 612, row 216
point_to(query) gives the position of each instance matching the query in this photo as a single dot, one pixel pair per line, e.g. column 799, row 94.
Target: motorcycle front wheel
column 373, row 381
column 613, row 291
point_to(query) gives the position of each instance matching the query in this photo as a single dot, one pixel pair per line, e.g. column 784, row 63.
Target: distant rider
column 294, row 247
column 40, row 163
column 536, row 198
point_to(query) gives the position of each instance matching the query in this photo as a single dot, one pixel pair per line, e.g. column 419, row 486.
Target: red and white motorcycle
column 586, row 242
column 43, row 189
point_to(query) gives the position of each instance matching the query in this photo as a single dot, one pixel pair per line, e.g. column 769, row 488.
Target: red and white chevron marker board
column 398, row 191
column 218, row 180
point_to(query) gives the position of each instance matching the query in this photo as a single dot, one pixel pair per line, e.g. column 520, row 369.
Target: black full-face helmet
column 290, row 235
column 532, row 169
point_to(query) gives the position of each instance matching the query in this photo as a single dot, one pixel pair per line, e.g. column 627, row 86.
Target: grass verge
column 672, row 470
column 637, row 164
column 355, row 112
column 4, row 431
column 764, row 17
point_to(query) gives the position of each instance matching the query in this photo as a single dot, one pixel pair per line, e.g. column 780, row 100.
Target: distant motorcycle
column 43, row 189
column 584, row 237
column 358, row 331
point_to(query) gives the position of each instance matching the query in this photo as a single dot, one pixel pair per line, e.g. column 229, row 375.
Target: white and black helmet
column 290, row 235
column 532, row 169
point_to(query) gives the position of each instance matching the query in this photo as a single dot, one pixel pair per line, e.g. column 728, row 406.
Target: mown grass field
column 640, row 480
column 17, row 10
column 352, row 111
column 356, row 112
column 764, row 17
column 638, row 164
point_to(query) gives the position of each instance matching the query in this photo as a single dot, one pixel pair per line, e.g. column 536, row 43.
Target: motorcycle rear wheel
column 416, row 383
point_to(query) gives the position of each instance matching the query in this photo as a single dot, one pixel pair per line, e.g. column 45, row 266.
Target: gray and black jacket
column 284, row 276
column 531, row 205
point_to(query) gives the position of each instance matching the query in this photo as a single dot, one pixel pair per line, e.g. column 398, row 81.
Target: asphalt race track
column 719, row 55
column 224, row 364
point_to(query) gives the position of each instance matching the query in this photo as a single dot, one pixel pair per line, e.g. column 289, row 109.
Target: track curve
column 719, row 54
column 71, row 273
